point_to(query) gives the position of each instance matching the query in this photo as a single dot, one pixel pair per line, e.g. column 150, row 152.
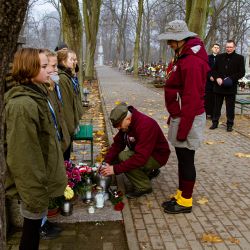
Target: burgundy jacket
column 145, row 138
column 185, row 87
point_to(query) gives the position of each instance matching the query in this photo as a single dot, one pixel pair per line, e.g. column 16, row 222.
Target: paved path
column 222, row 179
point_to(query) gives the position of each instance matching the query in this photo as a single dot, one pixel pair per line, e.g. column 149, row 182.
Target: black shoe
column 49, row 231
column 214, row 126
column 138, row 193
column 168, row 203
column 175, row 208
column 229, row 128
column 154, row 173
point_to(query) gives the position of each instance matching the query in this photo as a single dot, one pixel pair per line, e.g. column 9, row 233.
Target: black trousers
column 31, row 234
column 209, row 102
column 186, row 171
column 230, row 107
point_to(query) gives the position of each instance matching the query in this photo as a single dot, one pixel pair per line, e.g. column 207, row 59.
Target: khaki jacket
column 72, row 109
column 33, row 155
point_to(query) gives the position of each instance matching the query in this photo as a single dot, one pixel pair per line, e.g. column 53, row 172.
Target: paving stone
column 148, row 218
column 142, row 236
column 157, row 242
column 139, row 224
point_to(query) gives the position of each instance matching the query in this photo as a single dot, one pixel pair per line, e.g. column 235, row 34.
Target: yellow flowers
column 68, row 193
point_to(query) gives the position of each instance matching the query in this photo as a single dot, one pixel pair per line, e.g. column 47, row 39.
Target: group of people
column 42, row 112
column 226, row 69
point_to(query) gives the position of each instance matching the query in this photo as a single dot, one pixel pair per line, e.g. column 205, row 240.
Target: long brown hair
column 26, row 64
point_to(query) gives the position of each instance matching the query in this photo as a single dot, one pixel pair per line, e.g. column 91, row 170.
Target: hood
column 30, row 89
column 194, row 46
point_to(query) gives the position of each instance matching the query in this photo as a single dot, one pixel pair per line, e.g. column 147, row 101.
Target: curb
column 126, row 213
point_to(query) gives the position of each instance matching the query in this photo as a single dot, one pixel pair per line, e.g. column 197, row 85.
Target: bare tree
column 138, row 35
column 72, row 27
column 12, row 14
column 91, row 14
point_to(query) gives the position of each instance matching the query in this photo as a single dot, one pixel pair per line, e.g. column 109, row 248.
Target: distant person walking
column 209, row 93
column 228, row 69
column 184, row 98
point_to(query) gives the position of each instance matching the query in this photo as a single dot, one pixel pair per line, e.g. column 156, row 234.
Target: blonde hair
column 26, row 64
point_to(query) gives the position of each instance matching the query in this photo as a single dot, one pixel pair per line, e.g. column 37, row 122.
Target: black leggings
column 186, row 166
column 31, row 234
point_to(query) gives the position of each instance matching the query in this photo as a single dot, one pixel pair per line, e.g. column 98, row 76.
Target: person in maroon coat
column 184, row 98
column 146, row 149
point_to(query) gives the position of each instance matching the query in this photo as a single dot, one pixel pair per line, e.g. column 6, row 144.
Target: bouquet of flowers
column 116, row 198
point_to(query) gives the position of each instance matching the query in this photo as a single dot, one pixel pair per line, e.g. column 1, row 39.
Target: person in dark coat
column 209, row 95
column 228, row 69
column 148, row 149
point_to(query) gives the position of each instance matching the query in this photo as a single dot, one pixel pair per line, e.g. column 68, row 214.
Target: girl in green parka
column 34, row 158
column 70, row 90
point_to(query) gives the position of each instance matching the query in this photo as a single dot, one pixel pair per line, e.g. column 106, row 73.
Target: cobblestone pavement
column 221, row 209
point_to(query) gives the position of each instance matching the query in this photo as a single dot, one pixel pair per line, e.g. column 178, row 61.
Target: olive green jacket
column 33, row 154
column 62, row 126
column 72, row 107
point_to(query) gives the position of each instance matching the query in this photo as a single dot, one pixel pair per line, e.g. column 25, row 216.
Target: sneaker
column 175, row 208
column 154, row 173
column 229, row 128
column 138, row 193
column 49, row 231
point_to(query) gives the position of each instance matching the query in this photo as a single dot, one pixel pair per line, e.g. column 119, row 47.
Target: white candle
column 88, row 195
column 66, row 207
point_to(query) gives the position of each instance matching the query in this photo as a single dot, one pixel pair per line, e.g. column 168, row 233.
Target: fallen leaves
column 213, row 142
column 214, row 238
column 202, row 201
column 211, row 238
column 242, row 155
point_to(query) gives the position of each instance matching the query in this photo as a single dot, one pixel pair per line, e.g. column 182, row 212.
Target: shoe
column 154, row 173
column 214, row 126
column 175, row 208
column 138, row 193
column 168, row 203
column 229, row 128
column 49, row 231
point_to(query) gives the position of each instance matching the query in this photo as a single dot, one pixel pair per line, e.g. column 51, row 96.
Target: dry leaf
column 234, row 240
column 212, row 238
column 150, row 113
column 165, row 126
column 83, row 152
column 72, row 157
column 165, row 117
column 100, row 132
column 149, row 204
column 202, row 201
column 242, row 155
column 209, row 142
column 235, row 185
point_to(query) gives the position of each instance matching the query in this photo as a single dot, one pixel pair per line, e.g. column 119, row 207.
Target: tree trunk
column 197, row 17
column 91, row 13
column 72, row 28
column 137, row 38
column 12, row 14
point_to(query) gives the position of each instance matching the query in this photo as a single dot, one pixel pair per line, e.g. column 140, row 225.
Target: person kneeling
column 147, row 149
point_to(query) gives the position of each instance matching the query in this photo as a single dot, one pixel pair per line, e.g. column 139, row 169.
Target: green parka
column 34, row 157
column 72, row 107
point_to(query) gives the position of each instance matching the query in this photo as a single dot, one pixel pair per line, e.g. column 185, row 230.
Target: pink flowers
column 73, row 174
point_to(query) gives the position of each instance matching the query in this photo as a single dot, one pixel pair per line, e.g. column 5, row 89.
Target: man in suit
column 229, row 68
column 209, row 94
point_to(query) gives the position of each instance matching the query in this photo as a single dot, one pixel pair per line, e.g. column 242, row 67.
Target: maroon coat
column 145, row 138
column 185, row 88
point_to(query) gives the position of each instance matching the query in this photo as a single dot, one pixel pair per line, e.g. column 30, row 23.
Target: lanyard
column 75, row 84
column 58, row 92
column 54, row 120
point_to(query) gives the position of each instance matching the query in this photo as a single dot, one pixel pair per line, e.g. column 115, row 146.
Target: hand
column 219, row 81
column 211, row 79
column 107, row 170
